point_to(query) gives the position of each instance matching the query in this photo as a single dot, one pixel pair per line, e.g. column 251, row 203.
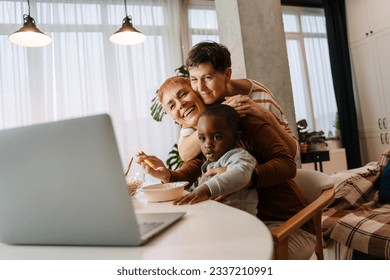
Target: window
column 309, row 63
column 202, row 22
column 82, row 73
column 199, row 23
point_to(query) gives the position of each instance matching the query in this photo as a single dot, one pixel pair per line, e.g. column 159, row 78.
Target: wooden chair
column 319, row 190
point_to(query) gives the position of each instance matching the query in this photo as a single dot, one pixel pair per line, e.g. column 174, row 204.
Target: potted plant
column 310, row 140
column 302, row 135
column 317, row 141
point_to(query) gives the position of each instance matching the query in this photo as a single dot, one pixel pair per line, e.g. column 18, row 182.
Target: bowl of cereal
column 164, row 191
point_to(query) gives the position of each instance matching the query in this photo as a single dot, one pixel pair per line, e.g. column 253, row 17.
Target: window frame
column 186, row 31
column 300, row 37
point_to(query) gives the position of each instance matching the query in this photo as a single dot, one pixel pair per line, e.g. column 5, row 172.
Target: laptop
column 62, row 183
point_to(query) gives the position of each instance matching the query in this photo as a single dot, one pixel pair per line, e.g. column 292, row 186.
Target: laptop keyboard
column 146, row 227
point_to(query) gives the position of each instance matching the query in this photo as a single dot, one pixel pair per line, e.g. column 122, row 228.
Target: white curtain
column 82, row 73
column 310, row 71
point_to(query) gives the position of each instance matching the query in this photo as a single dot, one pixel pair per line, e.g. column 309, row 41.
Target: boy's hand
column 201, row 193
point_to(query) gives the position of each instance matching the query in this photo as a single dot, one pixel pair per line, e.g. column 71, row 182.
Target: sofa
column 357, row 222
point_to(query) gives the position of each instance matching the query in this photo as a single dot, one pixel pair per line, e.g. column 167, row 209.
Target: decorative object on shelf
column 303, row 147
column 318, row 146
column 29, row 35
column 315, row 140
column 127, row 34
column 302, row 131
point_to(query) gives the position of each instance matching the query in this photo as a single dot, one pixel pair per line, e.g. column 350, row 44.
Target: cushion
column 385, row 156
column 313, row 183
column 384, row 184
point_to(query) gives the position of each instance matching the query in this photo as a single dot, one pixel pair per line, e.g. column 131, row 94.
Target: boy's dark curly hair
column 230, row 115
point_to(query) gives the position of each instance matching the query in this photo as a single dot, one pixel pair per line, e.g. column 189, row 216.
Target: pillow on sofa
column 384, row 184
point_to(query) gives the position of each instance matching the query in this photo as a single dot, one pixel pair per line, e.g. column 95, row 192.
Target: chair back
column 319, row 190
column 313, row 183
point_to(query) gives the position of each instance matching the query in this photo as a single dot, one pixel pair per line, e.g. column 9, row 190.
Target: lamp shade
column 127, row 34
column 29, row 35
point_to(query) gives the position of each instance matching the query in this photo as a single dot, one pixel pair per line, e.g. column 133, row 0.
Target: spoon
column 128, row 167
column 153, row 165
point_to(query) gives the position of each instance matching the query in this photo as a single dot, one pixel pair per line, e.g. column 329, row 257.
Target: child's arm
column 239, row 167
column 237, row 175
column 189, row 147
column 201, row 193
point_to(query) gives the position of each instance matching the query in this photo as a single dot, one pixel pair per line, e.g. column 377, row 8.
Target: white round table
column 209, row 230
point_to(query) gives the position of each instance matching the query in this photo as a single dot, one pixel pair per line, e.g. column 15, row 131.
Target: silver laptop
column 62, row 183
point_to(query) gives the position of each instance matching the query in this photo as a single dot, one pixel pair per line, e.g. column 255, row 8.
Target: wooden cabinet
column 366, row 17
column 368, row 24
column 357, row 20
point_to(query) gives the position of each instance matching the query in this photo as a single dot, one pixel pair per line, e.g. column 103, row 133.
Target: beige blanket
column 355, row 218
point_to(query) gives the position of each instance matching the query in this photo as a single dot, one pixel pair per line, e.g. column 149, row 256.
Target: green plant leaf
column 156, row 109
column 174, row 161
column 182, row 71
column 305, row 135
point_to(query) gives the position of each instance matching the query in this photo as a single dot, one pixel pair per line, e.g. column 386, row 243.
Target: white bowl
column 164, row 192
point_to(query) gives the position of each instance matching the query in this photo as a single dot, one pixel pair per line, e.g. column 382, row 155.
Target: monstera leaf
column 182, row 71
column 174, row 161
column 156, row 110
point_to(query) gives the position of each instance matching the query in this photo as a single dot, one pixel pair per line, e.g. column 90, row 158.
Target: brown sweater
column 279, row 196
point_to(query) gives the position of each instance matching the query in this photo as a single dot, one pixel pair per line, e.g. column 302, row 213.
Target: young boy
column 218, row 130
column 209, row 65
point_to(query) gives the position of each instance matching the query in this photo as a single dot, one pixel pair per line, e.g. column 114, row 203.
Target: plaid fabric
column 355, row 218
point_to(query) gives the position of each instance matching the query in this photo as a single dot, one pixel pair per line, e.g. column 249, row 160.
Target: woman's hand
column 244, row 105
column 201, row 193
column 160, row 171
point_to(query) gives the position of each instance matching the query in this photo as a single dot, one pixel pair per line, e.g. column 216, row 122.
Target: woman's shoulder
column 241, row 86
column 250, row 87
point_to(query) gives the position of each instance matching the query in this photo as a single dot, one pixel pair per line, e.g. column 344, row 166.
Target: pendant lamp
column 29, row 35
column 127, row 34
